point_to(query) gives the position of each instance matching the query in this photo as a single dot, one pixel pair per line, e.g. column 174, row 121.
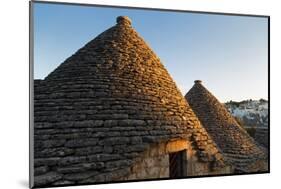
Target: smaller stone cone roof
column 237, row 146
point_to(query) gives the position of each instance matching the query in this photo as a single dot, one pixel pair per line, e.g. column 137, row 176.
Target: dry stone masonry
column 238, row 148
column 99, row 115
column 260, row 135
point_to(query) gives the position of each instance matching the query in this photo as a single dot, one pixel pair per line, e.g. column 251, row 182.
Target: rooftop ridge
column 123, row 20
column 198, row 81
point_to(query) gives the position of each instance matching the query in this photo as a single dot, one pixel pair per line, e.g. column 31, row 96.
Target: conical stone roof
column 234, row 142
column 106, row 104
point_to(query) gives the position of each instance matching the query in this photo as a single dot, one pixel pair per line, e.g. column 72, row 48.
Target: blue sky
column 228, row 53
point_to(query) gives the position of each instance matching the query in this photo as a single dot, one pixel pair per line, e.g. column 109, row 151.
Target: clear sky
column 228, row 53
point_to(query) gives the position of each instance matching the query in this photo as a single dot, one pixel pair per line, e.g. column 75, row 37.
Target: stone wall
column 154, row 163
column 260, row 135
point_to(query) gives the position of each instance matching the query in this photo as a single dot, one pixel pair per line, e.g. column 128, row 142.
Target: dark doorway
column 177, row 165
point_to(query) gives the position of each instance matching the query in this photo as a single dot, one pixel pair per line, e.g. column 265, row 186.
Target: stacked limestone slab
column 238, row 148
column 104, row 106
column 260, row 135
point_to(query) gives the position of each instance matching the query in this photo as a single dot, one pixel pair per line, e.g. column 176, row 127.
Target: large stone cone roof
column 236, row 145
column 106, row 104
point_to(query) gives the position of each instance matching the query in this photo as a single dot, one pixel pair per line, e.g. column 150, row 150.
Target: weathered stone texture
column 106, row 104
column 154, row 162
column 260, row 135
column 238, row 148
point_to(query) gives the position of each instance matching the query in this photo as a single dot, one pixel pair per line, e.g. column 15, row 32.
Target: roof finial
column 197, row 81
column 123, row 20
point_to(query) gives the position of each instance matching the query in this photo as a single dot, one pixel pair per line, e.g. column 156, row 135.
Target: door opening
column 176, row 164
